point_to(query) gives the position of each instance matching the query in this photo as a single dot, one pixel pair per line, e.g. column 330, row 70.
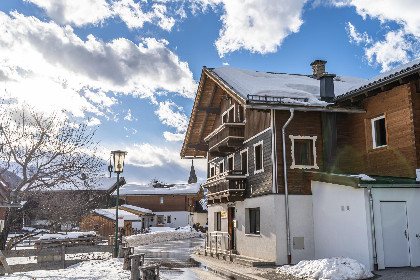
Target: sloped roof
column 248, row 82
column 176, row 189
column 110, row 214
column 137, row 209
column 384, row 78
column 95, row 184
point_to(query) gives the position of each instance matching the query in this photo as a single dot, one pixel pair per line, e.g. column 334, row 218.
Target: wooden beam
column 199, row 147
column 210, row 110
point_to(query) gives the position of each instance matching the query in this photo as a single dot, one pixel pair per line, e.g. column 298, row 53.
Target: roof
column 387, row 77
column 95, row 184
column 145, row 190
column 137, row 209
column 294, row 87
column 110, row 214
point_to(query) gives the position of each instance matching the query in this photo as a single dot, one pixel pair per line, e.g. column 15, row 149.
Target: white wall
column 337, row 232
column 412, row 197
column 178, row 218
column 200, row 218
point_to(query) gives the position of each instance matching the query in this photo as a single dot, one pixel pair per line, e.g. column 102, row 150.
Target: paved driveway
column 405, row 273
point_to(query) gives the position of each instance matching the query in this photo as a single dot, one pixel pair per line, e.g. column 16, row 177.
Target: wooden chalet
column 279, row 144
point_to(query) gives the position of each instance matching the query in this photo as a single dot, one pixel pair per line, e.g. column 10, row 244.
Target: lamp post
column 118, row 157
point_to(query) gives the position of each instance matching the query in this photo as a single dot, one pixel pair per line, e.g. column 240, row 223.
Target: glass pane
column 380, row 132
column 303, row 152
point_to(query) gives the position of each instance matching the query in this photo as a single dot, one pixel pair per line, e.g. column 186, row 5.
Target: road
column 174, row 257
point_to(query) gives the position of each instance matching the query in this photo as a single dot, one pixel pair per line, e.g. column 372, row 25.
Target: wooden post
column 127, row 252
column 63, row 256
column 136, row 261
column 5, row 264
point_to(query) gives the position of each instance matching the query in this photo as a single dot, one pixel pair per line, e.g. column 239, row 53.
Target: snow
column 110, row 213
column 87, row 270
column 247, row 82
column 340, row 268
column 176, row 189
column 97, row 184
column 363, row 177
column 162, row 234
column 66, row 235
column 136, row 208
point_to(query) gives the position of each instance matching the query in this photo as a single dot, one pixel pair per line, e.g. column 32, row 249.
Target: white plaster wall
column 200, row 218
column 301, row 225
column 217, row 208
column 136, row 225
column 341, row 233
column 412, row 197
column 178, row 218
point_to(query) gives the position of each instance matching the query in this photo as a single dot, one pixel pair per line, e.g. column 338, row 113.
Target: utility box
column 298, row 243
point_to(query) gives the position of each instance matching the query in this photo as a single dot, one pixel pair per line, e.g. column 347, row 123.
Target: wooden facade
column 170, row 202
column 104, row 226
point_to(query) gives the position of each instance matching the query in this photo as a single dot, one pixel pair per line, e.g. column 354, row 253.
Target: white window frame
column 222, row 162
column 233, row 160
column 262, row 158
column 212, row 165
column 247, row 160
column 372, row 122
column 227, row 112
column 294, row 165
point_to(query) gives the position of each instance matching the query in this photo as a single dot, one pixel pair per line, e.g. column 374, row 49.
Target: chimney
column 326, row 80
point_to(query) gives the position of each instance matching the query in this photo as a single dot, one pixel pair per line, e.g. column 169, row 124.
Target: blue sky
column 130, row 68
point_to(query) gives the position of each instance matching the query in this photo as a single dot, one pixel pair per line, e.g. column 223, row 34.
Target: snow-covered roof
column 385, row 77
column 95, row 184
column 248, row 82
column 136, row 208
column 176, row 189
column 110, row 213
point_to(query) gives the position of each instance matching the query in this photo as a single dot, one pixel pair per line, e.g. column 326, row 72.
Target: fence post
column 63, row 256
column 6, row 266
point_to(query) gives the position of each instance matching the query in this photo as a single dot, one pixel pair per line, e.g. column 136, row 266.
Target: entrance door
column 231, row 229
column 395, row 234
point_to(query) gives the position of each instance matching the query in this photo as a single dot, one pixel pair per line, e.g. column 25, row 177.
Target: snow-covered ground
column 88, row 270
column 66, row 235
column 333, row 268
column 161, row 234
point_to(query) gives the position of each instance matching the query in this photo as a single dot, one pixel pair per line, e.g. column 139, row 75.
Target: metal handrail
column 218, row 243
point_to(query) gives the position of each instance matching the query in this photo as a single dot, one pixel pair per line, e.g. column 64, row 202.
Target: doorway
column 395, row 233
column 231, row 227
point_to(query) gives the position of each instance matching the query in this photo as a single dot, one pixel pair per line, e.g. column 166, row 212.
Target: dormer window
column 379, row 132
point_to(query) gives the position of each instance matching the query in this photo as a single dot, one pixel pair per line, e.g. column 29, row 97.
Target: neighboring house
column 103, row 221
column 3, row 200
column 174, row 205
column 65, row 204
column 281, row 149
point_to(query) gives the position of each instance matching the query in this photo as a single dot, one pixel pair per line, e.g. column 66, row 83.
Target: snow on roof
column 136, row 208
column 110, row 213
column 96, row 184
column 176, row 189
column 384, row 77
column 247, row 82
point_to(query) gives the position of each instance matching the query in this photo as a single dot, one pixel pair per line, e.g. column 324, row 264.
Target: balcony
column 225, row 139
column 228, row 186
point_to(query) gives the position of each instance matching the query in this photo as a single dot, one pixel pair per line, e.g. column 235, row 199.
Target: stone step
column 249, row 261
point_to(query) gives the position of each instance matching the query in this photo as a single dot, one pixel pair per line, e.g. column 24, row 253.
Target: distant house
column 64, row 205
column 173, row 204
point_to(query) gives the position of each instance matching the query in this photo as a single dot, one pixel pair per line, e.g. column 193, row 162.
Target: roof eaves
column 225, row 85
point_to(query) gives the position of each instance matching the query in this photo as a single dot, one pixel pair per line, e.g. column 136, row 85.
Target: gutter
column 372, row 224
column 273, row 149
column 286, row 193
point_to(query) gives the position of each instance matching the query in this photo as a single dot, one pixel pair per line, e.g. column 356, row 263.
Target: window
column 254, row 220
column 161, row 200
column 303, row 152
column 258, row 157
column 212, row 170
column 379, row 132
column 159, row 221
column 244, row 162
column 217, row 221
column 230, row 163
column 221, row 167
column 229, row 115
column 168, row 219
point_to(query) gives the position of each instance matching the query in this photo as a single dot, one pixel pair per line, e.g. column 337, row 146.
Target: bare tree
column 45, row 150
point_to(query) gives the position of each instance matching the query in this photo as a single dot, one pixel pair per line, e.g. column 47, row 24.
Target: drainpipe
column 286, row 194
column 372, row 224
column 273, row 149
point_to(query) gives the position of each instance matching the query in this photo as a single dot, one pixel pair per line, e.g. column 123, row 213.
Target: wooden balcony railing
column 226, row 138
column 229, row 185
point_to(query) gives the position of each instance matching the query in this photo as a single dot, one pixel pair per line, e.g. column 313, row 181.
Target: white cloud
column 257, row 25
column 75, row 12
column 171, row 114
column 390, row 52
column 92, row 122
column 49, row 66
column 129, row 117
column 356, row 37
column 173, row 137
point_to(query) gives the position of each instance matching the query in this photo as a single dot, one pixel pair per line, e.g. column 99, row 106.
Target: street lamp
column 118, row 157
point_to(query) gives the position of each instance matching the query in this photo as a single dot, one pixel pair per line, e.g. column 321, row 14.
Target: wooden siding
column 256, row 121
column 170, row 202
column 105, row 226
column 354, row 136
column 415, row 95
column 303, row 124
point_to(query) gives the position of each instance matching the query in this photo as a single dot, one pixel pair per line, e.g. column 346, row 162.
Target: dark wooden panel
column 170, row 202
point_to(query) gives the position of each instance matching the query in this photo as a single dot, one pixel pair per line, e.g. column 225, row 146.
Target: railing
column 224, row 132
column 218, row 243
column 273, row 99
column 225, row 174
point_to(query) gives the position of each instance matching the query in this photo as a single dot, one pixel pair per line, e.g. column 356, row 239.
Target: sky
column 130, row 69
